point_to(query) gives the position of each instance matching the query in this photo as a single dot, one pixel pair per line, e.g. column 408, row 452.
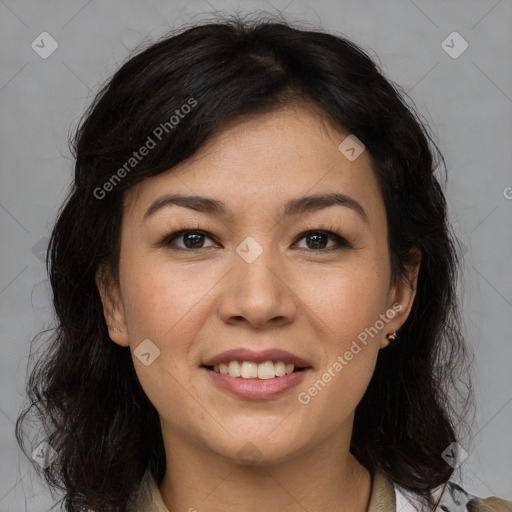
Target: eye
column 316, row 239
column 192, row 239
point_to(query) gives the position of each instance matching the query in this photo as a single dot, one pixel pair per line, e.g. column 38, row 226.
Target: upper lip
column 244, row 354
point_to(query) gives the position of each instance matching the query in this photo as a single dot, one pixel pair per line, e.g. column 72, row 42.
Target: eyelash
column 341, row 243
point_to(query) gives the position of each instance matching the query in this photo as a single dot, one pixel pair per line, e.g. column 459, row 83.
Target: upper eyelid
column 329, row 226
column 306, row 230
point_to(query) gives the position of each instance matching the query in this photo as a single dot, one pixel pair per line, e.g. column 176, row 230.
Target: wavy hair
column 83, row 388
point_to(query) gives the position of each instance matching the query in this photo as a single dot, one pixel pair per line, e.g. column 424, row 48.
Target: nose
column 259, row 293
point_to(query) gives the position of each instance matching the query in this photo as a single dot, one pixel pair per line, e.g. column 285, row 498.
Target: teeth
column 280, row 368
column 266, row 370
column 250, row 370
column 234, row 369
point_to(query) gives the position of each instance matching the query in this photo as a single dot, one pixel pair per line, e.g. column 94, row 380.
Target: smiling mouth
column 250, row 370
column 294, row 370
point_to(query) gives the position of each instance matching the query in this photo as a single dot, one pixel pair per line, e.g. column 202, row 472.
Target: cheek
column 347, row 300
column 165, row 307
column 346, row 313
column 161, row 298
column 337, row 388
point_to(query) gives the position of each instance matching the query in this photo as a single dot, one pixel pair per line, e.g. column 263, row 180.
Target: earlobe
column 113, row 310
column 402, row 296
column 392, row 336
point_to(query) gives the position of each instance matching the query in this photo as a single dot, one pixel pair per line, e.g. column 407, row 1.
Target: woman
column 254, row 280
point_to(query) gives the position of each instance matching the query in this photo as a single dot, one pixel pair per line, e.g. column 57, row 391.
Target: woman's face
column 258, row 276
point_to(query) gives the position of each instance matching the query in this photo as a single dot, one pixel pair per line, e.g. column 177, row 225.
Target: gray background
column 467, row 100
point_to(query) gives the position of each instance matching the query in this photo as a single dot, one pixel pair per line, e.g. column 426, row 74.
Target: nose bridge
column 257, row 290
column 255, row 265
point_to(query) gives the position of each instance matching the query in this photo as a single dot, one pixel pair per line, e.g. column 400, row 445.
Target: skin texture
column 294, row 296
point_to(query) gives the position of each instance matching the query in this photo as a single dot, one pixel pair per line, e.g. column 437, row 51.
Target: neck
column 326, row 477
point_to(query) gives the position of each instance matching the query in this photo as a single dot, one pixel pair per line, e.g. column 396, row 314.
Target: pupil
column 315, row 236
column 197, row 242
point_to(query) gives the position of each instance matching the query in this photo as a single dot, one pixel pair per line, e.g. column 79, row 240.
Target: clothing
column 385, row 497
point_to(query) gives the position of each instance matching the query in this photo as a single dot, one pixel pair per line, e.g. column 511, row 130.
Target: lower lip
column 257, row 389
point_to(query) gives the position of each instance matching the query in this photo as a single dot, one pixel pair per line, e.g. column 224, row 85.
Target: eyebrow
column 215, row 207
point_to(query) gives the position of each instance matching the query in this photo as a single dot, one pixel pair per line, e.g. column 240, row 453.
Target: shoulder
column 452, row 498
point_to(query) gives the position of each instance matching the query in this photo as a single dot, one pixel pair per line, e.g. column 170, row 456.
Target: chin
column 258, row 449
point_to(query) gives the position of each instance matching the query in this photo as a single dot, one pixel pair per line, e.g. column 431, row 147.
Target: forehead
column 260, row 162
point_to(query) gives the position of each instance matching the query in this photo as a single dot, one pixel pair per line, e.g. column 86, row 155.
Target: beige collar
column 149, row 499
column 382, row 497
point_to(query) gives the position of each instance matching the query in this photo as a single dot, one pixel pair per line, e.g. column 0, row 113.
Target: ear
column 113, row 308
column 401, row 295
